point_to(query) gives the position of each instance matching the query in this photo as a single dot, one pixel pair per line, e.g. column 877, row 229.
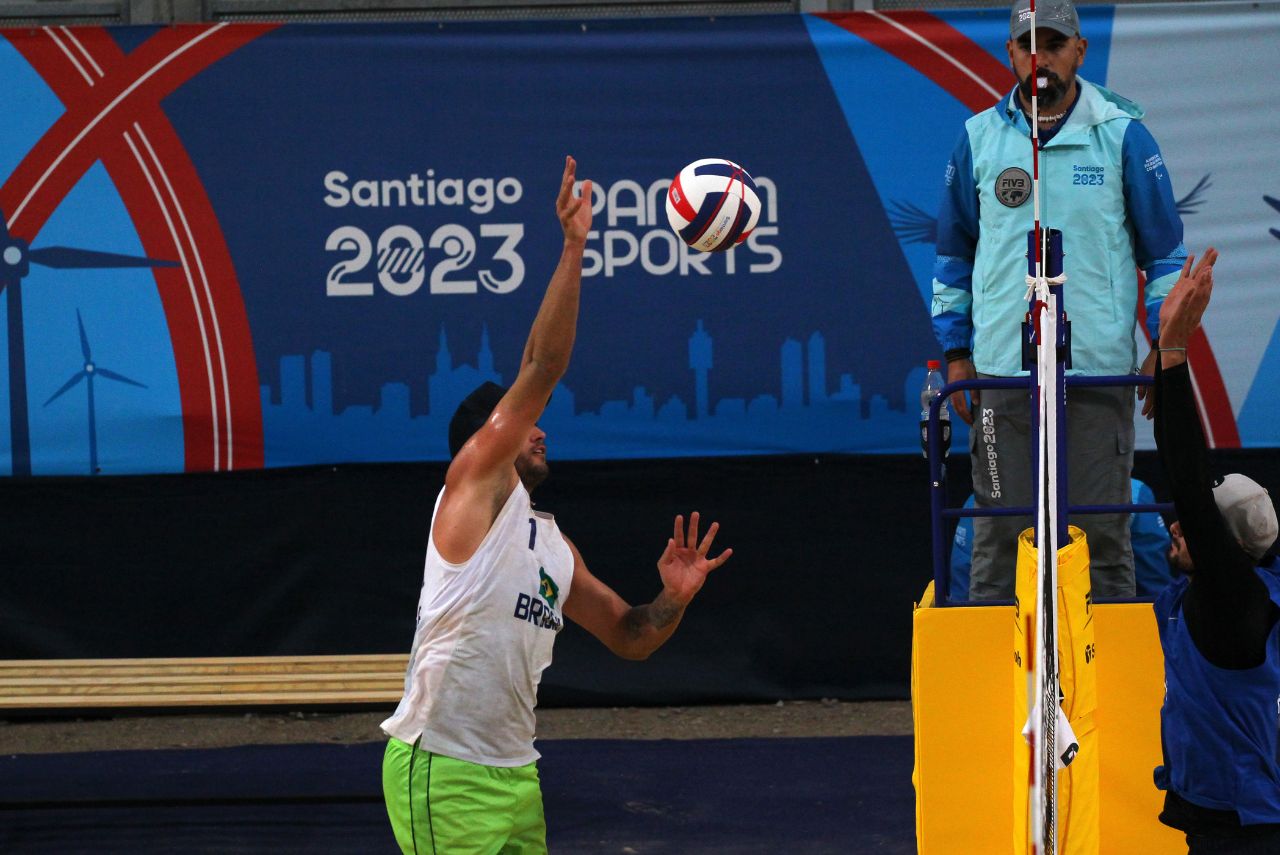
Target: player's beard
column 1051, row 94
column 532, row 469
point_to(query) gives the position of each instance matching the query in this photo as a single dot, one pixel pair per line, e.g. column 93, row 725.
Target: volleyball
column 713, row 205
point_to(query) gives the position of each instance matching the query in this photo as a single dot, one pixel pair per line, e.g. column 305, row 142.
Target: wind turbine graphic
column 87, row 373
column 16, row 258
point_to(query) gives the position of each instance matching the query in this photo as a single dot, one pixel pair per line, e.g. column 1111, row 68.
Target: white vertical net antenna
column 1043, row 792
column 1045, row 737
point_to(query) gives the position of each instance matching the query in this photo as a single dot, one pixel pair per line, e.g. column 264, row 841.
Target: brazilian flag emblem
column 547, row 588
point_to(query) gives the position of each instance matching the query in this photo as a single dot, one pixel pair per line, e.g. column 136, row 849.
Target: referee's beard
column 1053, row 92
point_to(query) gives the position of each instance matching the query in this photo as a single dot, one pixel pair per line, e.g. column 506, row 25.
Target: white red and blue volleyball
column 713, row 205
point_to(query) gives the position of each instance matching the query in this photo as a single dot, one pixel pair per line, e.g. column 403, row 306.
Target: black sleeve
column 1227, row 607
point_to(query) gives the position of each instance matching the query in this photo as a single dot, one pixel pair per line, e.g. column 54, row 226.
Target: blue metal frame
column 937, row 475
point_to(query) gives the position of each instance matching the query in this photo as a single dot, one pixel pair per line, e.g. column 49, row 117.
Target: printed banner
column 236, row 246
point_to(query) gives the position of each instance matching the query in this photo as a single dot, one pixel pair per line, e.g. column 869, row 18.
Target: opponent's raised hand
column 684, row 564
column 574, row 211
column 1182, row 310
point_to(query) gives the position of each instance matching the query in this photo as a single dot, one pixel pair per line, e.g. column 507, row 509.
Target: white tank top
column 484, row 635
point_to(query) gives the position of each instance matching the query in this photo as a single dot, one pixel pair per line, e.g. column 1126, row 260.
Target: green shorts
column 443, row 806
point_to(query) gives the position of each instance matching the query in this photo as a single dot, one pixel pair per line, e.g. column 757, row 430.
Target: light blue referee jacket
column 1103, row 184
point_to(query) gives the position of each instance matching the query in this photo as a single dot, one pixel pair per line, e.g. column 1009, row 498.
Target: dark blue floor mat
column 814, row 796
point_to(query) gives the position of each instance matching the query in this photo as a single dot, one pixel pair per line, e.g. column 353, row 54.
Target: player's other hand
column 684, row 564
column 1147, row 394
column 962, row 369
column 574, row 211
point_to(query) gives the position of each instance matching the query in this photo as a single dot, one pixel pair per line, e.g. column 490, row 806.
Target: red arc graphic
column 938, row 51
column 113, row 114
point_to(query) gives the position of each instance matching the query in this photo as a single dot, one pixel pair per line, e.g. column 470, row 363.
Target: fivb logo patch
column 1013, row 187
column 631, row 230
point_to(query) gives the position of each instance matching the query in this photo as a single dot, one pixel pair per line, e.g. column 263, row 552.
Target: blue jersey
column 1150, row 539
column 1220, row 725
column 1104, row 185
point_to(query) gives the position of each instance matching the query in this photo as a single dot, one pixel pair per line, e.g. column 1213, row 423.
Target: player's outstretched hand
column 684, row 564
column 1184, row 307
column 574, row 212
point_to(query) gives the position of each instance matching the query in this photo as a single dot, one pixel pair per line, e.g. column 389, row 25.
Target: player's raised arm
column 483, row 473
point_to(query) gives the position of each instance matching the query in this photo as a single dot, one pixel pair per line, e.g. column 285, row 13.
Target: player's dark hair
column 472, row 413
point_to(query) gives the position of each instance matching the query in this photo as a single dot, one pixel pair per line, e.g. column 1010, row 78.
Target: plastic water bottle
column 933, row 383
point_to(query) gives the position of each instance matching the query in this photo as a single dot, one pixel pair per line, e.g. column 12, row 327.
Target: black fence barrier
column 830, row 553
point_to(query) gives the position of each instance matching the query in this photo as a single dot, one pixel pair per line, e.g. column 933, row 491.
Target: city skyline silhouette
column 794, row 411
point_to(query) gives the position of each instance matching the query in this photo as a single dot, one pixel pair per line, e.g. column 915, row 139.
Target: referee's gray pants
column 1099, row 463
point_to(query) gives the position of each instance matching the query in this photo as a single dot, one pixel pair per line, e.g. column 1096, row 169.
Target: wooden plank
column 271, row 664
column 181, row 700
column 282, row 680
column 161, row 686
column 230, row 660
column 197, row 681
column 142, row 692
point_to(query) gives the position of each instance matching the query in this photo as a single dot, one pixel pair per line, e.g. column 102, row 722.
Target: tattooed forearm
column 663, row 612
column 660, row 614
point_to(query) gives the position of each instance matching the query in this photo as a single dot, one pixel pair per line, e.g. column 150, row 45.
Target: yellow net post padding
column 1078, row 796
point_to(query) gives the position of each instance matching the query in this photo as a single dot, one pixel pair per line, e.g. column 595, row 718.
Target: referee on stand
column 1218, row 622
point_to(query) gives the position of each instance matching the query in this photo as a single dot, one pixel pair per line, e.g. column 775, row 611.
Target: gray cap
column 1057, row 15
column 1247, row 510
